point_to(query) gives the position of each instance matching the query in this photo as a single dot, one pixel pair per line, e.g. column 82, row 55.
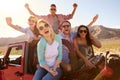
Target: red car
column 15, row 67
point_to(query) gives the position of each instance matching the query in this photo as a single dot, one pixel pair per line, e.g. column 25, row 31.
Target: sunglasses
column 66, row 26
column 81, row 31
column 53, row 9
column 42, row 27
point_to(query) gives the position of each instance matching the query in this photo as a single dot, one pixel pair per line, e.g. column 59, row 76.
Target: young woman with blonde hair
column 49, row 51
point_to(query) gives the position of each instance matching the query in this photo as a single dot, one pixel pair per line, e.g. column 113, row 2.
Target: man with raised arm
column 54, row 19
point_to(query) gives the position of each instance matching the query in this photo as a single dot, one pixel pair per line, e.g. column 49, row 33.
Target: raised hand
column 95, row 17
column 75, row 5
column 8, row 20
column 26, row 5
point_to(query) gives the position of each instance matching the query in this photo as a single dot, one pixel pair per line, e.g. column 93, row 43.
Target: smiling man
column 54, row 19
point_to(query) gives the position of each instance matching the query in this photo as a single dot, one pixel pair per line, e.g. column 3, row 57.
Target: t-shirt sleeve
column 67, row 17
column 23, row 30
column 45, row 17
column 41, row 51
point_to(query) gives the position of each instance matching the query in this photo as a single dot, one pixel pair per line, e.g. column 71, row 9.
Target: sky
column 108, row 10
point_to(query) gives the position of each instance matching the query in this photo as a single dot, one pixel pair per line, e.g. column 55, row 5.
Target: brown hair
column 52, row 5
column 89, row 42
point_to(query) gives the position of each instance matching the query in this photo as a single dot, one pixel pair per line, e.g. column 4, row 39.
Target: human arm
column 41, row 56
column 87, row 62
column 95, row 41
column 59, row 58
column 30, row 11
column 9, row 22
column 70, row 16
column 74, row 9
column 93, row 20
column 41, row 53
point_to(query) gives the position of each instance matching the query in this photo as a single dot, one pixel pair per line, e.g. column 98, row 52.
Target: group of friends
column 49, row 32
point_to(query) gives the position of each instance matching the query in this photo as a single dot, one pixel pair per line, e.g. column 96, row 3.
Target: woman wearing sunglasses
column 83, row 42
column 49, row 51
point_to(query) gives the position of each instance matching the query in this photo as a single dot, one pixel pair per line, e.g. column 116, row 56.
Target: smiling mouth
column 31, row 24
column 46, row 32
column 66, row 30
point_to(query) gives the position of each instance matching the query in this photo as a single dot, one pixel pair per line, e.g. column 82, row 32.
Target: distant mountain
column 99, row 31
column 6, row 41
column 102, row 32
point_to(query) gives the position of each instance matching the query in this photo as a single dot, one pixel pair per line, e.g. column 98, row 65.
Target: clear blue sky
column 108, row 10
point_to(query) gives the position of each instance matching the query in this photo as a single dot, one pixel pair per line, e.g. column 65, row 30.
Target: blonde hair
column 43, row 21
column 35, row 19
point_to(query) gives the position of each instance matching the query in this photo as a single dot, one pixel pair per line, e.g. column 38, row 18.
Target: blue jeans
column 42, row 74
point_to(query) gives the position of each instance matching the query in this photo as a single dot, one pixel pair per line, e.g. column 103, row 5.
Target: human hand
column 75, row 5
column 8, row 20
column 55, row 67
column 95, row 17
column 89, row 64
column 27, row 5
column 53, row 72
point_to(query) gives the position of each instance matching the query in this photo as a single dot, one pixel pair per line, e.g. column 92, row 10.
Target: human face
column 53, row 10
column 66, row 28
column 82, row 32
column 44, row 28
column 32, row 22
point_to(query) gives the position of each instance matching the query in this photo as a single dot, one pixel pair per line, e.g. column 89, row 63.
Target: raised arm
column 9, row 22
column 74, row 9
column 30, row 11
column 93, row 20
column 95, row 41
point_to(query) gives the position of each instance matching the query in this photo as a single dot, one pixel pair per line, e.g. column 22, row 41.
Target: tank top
column 86, row 50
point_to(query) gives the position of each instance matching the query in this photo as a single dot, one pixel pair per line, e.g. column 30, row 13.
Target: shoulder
column 49, row 15
column 22, row 29
column 27, row 28
column 42, row 41
column 60, row 15
column 57, row 37
column 73, row 34
column 61, row 35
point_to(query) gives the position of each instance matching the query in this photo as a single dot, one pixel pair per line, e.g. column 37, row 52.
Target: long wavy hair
column 89, row 42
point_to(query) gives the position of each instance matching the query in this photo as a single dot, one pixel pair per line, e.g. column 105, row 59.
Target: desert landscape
column 109, row 37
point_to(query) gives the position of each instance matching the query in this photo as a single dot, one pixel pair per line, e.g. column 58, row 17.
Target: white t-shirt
column 27, row 31
column 50, row 54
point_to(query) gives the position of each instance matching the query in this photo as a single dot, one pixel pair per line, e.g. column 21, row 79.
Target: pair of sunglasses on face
column 53, row 9
column 45, row 26
column 81, row 31
column 66, row 26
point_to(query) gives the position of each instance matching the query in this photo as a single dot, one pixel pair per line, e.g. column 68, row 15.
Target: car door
column 14, row 60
